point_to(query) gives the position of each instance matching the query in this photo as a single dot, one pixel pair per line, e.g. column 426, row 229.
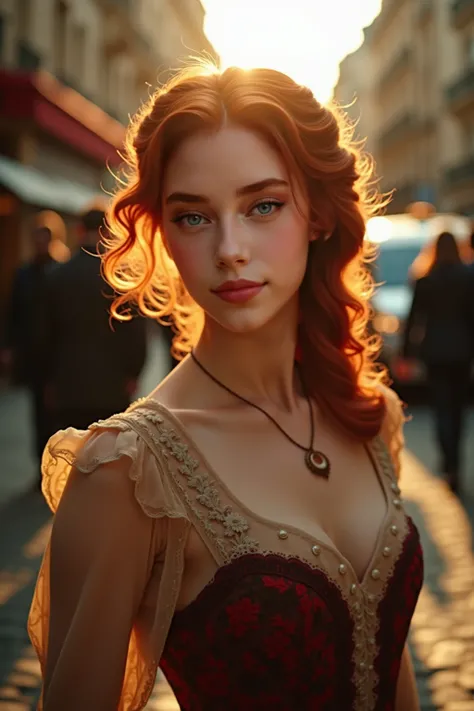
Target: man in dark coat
column 94, row 363
column 22, row 342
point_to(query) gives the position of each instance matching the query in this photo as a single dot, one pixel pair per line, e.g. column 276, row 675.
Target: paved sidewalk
column 442, row 636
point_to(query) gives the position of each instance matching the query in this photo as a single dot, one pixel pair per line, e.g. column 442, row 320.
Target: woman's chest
column 265, row 479
column 270, row 622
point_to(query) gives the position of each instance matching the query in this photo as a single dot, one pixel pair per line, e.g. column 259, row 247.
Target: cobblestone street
column 442, row 637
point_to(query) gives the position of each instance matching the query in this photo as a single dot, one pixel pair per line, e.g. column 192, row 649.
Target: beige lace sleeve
column 110, row 576
column 392, row 427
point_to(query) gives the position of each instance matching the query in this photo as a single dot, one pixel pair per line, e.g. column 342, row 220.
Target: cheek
column 188, row 257
column 288, row 245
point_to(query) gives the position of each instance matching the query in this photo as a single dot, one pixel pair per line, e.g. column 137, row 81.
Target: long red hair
column 337, row 358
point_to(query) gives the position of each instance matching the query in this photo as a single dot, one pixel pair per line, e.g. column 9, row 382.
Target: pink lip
column 240, row 295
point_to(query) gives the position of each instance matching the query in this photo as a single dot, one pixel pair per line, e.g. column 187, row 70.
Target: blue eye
column 190, row 219
column 267, row 207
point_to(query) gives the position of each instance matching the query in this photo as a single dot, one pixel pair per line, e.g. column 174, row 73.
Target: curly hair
column 316, row 144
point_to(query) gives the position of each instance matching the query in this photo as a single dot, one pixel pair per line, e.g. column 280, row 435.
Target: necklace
column 316, row 461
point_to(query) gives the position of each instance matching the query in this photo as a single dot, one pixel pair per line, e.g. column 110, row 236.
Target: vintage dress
column 283, row 624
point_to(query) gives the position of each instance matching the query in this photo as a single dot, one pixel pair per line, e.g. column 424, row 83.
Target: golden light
column 305, row 39
column 59, row 251
column 378, row 229
column 421, row 210
column 386, row 323
column 54, row 222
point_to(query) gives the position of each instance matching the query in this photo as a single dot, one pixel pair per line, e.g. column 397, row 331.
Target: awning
column 40, row 99
column 37, row 188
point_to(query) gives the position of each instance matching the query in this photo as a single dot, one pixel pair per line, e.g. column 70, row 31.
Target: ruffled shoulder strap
column 391, row 431
column 132, row 559
column 120, row 436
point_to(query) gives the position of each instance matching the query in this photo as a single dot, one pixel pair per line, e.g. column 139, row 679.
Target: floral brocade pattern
column 395, row 611
column 268, row 633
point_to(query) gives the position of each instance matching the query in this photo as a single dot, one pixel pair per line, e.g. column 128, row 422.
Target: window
column 60, row 37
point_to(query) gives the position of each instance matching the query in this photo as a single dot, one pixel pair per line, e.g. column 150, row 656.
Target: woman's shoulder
column 391, row 431
column 394, row 416
column 125, row 446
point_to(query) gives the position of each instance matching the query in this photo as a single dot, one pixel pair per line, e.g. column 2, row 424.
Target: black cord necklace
column 316, row 461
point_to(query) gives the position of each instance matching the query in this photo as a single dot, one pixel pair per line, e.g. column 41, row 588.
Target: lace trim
column 367, row 615
column 233, row 541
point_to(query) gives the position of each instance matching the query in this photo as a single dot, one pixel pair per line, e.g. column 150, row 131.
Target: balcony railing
column 461, row 173
column 462, row 11
column 27, row 58
column 461, row 93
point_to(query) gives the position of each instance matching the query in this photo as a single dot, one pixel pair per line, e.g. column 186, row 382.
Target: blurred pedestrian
column 439, row 331
column 93, row 365
column 21, row 351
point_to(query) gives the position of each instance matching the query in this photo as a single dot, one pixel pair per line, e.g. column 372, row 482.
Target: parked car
column 405, row 252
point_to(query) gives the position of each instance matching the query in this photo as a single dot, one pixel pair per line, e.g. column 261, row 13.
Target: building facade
column 418, row 106
column 71, row 73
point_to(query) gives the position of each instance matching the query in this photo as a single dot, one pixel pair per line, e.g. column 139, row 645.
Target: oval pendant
column 317, row 463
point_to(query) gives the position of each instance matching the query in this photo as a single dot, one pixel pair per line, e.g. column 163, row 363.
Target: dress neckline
column 375, row 451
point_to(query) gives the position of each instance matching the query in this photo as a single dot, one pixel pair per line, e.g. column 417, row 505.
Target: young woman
column 442, row 313
column 242, row 526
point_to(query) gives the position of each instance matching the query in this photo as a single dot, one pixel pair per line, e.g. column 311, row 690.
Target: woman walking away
column 441, row 314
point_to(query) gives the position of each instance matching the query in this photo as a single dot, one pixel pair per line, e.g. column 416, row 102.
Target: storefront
column 57, row 152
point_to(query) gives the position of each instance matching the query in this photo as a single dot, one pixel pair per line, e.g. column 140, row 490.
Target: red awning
column 61, row 111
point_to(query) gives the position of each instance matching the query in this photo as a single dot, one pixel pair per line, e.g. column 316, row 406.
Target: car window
column 392, row 265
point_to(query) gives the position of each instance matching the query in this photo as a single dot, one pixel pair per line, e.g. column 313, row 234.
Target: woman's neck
column 258, row 366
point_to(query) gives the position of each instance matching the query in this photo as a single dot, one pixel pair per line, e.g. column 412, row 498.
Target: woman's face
column 229, row 214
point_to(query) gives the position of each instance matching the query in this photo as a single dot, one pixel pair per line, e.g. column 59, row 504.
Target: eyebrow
column 245, row 190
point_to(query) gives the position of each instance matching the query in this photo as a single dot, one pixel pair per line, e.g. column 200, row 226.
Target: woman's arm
column 407, row 694
column 101, row 554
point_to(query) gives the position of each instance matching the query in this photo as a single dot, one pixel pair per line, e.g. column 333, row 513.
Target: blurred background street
column 72, row 72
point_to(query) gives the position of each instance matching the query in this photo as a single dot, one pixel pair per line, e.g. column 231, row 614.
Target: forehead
column 223, row 160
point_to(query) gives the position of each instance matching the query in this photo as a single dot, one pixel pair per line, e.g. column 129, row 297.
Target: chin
column 240, row 323
column 246, row 320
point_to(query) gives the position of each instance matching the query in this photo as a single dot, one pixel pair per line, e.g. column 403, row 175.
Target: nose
column 232, row 246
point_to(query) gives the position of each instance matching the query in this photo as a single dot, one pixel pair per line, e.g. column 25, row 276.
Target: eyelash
column 278, row 204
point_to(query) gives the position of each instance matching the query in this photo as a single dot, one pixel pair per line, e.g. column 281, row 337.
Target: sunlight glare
column 305, row 38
